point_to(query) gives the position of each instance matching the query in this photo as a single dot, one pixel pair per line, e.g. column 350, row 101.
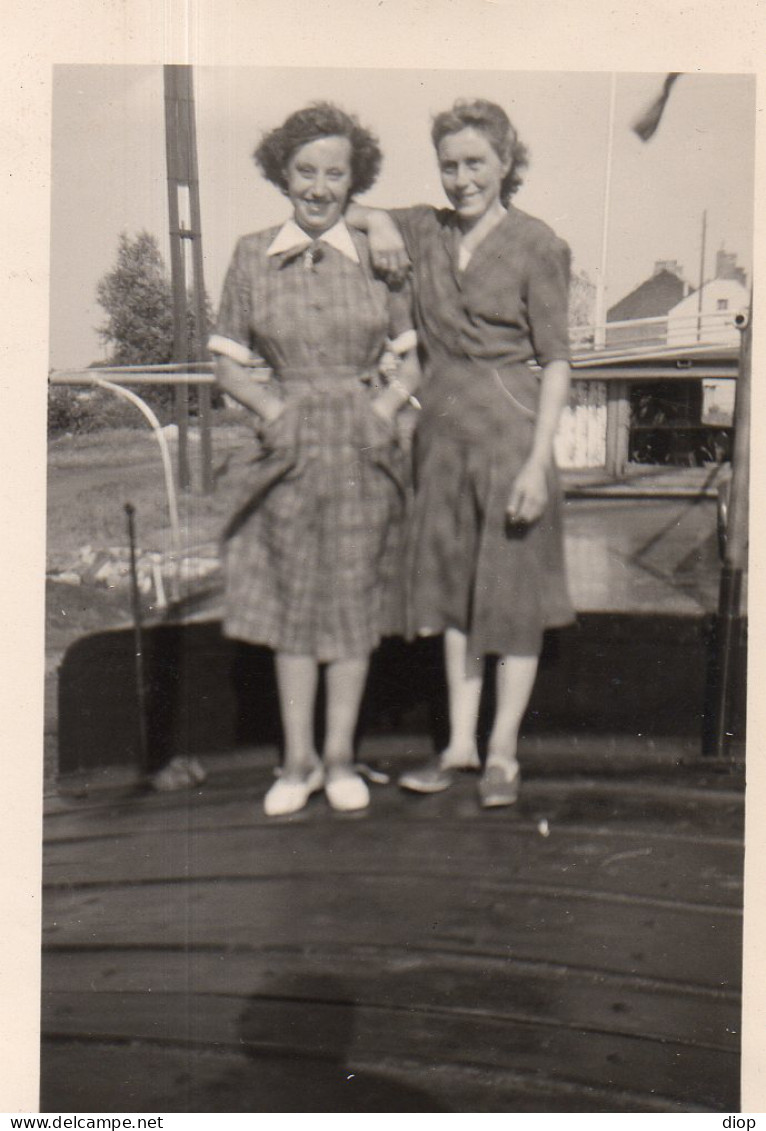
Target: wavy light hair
column 491, row 120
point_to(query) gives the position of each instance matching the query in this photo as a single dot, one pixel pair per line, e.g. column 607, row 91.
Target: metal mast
column 185, row 231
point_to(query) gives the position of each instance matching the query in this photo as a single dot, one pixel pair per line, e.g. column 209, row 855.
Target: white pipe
column 148, row 375
column 175, row 525
column 130, row 376
column 677, row 322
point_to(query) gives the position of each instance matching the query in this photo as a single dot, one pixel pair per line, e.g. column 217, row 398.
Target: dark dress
column 313, row 556
column 479, row 329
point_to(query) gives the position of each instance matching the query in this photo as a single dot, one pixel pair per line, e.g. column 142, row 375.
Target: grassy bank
column 92, row 477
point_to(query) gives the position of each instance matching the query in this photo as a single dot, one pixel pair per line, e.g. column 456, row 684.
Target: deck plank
column 658, row 807
column 346, row 1031
column 383, row 976
column 570, row 857
column 454, row 960
column 81, row 1076
column 588, row 929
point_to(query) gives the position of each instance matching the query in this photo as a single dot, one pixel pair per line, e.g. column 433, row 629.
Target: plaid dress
column 479, row 329
column 313, row 555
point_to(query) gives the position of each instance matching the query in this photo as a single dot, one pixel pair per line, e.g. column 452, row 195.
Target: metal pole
column 739, row 498
column 730, row 621
column 175, row 87
column 702, row 277
column 599, row 337
column 135, row 600
column 200, row 314
column 183, row 172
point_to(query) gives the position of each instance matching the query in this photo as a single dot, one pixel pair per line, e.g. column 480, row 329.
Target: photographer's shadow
column 301, row 1032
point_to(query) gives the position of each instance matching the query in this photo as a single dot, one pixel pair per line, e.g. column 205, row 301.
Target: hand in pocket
column 280, row 434
column 382, row 427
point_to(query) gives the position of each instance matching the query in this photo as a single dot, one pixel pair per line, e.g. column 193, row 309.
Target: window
column 722, row 304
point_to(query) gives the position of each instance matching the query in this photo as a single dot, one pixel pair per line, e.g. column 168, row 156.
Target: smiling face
column 319, row 183
column 472, row 174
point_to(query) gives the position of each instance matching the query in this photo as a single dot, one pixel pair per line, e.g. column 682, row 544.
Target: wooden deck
column 423, row 956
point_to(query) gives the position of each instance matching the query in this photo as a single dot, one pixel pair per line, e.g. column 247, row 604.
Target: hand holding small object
column 529, row 495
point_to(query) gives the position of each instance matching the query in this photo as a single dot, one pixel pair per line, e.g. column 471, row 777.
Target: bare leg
column 345, row 686
column 297, row 678
column 464, row 681
column 345, row 790
column 515, row 680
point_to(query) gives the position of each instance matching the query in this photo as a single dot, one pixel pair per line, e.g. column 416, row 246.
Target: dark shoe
column 499, row 785
column 430, row 778
column 179, row 773
column 196, row 770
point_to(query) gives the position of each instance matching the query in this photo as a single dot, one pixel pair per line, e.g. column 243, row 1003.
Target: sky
column 108, row 166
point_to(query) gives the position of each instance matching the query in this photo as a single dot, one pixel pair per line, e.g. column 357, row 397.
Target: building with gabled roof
column 653, row 298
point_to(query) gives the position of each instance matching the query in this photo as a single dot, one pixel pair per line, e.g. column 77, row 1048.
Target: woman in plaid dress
column 491, row 290
column 312, row 557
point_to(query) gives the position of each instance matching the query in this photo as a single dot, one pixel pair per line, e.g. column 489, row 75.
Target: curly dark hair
column 320, row 119
column 495, row 124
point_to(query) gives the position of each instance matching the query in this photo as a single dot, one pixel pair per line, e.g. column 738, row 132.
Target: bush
column 92, row 410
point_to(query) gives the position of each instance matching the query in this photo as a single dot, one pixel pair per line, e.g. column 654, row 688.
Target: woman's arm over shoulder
column 388, row 252
column 420, row 225
column 363, row 216
column 417, row 222
column 394, row 234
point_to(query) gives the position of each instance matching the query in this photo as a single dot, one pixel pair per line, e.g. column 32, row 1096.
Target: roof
column 651, row 299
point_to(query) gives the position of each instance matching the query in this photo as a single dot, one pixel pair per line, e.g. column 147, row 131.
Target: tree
column 582, row 299
column 138, row 299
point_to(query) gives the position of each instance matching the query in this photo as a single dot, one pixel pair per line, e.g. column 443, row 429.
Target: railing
column 584, row 352
column 718, row 327
column 612, row 361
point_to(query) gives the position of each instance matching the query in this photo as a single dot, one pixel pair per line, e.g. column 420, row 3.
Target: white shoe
column 346, row 791
column 290, row 794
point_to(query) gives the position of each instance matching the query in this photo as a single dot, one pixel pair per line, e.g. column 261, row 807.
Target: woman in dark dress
column 312, row 560
column 487, row 564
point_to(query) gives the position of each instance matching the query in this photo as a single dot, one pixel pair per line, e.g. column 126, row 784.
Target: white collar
column 291, row 236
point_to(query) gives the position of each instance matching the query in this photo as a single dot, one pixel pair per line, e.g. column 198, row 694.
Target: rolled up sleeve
column 233, row 334
column 548, row 299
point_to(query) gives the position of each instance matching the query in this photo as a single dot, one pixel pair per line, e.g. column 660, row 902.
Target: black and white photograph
column 397, row 454
column 396, row 590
